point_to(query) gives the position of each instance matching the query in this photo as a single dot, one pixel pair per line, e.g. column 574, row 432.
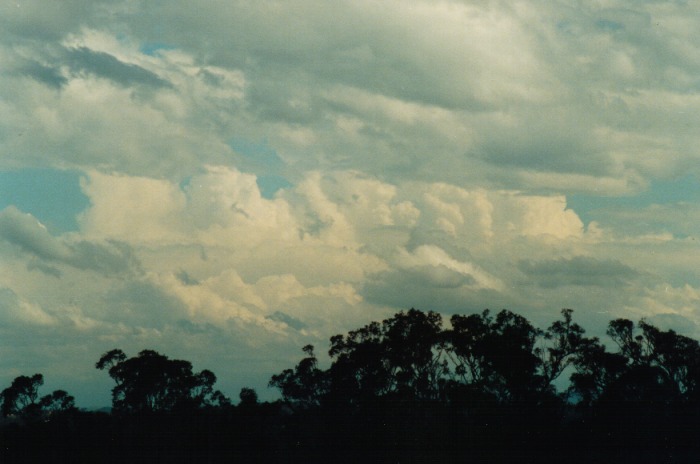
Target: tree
column 152, row 382
column 676, row 355
column 657, row 363
column 305, row 385
column 596, row 371
column 58, row 401
column 22, row 395
column 651, row 365
column 496, row 355
column 21, row 398
column 402, row 357
column 564, row 343
column 248, row 397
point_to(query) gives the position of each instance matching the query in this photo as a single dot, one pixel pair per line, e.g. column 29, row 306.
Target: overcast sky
column 227, row 181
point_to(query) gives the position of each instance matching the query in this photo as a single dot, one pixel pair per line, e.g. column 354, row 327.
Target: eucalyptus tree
column 151, row 381
column 22, row 399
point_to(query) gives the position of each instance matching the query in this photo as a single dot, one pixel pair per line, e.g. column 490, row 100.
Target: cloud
column 16, row 311
column 541, row 91
column 579, row 270
column 287, row 319
column 39, row 21
column 102, row 64
column 431, row 263
column 47, row 75
column 29, row 235
column 143, row 304
column 265, row 174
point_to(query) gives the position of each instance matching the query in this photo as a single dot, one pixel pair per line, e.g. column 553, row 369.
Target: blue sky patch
column 261, row 159
column 261, row 153
column 152, row 48
column 52, row 196
column 269, row 185
column 684, row 189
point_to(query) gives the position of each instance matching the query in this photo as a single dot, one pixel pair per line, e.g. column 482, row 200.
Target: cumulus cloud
column 267, row 174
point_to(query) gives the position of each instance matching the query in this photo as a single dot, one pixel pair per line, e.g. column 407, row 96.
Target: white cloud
column 137, row 209
column 432, row 261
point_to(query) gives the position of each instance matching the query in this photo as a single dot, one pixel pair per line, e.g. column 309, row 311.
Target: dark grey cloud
column 440, row 276
column 579, row 271
column 101, row 64
column 45, row 268
column 25, row 232
column 403, row 290
column 546, row 145
column 111, row 257
column 291, row 321
column 47, row 75
column 314, row 45
column 28, row 234
column 143, row 304
column 184, row 277
column 192, row 328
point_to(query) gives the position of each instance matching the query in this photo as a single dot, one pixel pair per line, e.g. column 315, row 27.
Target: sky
column 228, row 181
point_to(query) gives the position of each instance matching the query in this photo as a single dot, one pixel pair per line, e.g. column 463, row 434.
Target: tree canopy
column 503, row 357
column 152, row 382
column 21, row 399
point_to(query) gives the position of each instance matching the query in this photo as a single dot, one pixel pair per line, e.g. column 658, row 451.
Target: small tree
column 21, row 399
column 248, row 397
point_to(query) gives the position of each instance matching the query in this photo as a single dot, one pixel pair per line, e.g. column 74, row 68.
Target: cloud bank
column 255, row 176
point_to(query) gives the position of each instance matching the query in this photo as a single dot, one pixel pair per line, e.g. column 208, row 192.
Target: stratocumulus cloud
column 249, row 177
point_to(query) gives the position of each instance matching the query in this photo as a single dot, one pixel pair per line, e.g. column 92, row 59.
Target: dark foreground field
column 382, row 433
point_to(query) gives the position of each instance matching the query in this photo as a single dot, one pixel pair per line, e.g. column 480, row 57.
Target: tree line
column 410, row 388
column 501, row 358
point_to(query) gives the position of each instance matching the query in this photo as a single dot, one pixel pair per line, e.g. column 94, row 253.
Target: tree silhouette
column 21, row 399
column 411, row 357
column 564, row 342
column 596, row 371
column 306, row 384
column 152, row 382
column 57, row 401
column 497, row 355
column 248, row 397
column 402, row 357
column 22, row 395
column 652, row 365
